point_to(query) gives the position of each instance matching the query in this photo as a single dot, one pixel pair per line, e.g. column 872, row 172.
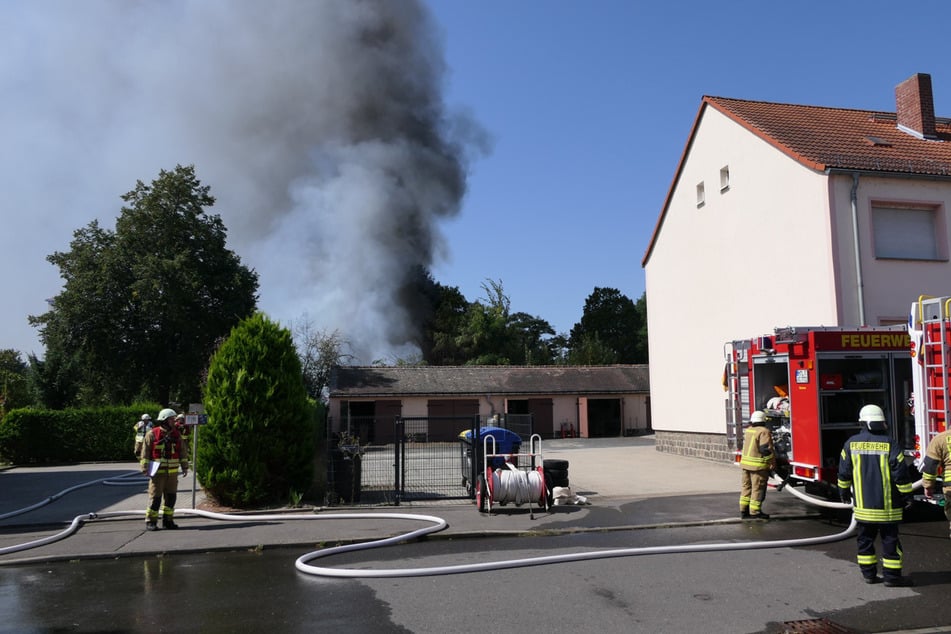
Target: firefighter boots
column 151, row 526
column 873, row 579
column 899, row 582
column 168, row 523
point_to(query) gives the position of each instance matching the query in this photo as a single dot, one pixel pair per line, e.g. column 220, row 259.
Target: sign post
column 195, row 418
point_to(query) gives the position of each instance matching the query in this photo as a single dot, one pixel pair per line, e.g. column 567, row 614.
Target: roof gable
column 356, row 382
column 828, row 139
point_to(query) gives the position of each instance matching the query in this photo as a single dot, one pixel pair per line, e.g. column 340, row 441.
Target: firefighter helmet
column 757, row 418
column 166, row 413
column 872, row 416
column 146, row 418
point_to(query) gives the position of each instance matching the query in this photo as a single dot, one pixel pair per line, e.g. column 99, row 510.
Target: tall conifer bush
column 258, row 445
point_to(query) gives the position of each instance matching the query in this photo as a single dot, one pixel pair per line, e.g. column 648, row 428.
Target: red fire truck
column 929, row 326
column 811, row 382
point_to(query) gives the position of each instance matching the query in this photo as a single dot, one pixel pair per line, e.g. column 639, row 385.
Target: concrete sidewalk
column 626, row 481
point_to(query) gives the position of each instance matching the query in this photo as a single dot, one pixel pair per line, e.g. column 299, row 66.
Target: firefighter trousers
column 891, row 550
column 162, row 487
column 753, row 490
column 947, row 507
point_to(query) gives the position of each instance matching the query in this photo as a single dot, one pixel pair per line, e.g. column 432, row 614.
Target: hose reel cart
column 512, row 479
column 506, row 442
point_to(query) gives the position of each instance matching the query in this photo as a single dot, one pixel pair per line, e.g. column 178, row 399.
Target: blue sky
column 590, row 104
column 586, row 107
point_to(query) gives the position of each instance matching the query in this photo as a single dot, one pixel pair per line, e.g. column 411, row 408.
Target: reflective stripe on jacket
column 755, row 437
column 937, row 460
column 873, row 465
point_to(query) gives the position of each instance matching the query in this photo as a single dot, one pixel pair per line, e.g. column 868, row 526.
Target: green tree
column 486, row 337
column 536, row 340
column 54, row 380
column 443, row 330
column 612, row 319
column 142, row 307
column 258, row 445
column 15, row 389
column 590, row 350
column 642, row 348
column 490, row 334
column 319, row 352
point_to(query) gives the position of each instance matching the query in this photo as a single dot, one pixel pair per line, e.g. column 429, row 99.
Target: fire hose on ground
column 436, row 524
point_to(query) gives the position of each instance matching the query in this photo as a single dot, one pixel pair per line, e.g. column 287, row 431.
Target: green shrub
column 258, row 445
column 41, row 436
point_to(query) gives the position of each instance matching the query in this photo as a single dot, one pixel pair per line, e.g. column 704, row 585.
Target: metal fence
column 413, row 467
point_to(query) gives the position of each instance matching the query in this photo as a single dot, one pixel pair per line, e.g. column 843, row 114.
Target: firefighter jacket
column 873, row 466
column 140, row 428
column 757, row 448
column 937, row 461
column 164, row 446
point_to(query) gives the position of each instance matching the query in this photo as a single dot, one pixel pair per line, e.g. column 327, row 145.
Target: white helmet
column 146, row 417
column 166, row 413
column 872, row 416
column 871, row 413
column 757, row 417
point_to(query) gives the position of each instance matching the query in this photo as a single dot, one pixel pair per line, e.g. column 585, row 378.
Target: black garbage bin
column 346, row 475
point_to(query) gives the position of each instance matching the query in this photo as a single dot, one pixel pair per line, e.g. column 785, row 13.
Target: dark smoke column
column 384, row 171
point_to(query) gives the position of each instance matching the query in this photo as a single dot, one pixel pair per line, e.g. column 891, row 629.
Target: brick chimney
column 915, row 106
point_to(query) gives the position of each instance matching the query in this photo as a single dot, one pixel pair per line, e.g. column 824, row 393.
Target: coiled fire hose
column 517, row 486
column 436, row 524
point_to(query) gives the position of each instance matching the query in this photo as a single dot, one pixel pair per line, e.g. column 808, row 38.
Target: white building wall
column 753, row 257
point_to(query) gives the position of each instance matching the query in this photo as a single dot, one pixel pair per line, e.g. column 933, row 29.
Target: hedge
column 102, row 434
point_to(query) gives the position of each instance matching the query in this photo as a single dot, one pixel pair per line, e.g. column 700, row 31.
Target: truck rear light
column 805, row 472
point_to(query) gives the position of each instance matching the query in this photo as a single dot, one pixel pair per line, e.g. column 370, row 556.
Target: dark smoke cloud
column 319, row 125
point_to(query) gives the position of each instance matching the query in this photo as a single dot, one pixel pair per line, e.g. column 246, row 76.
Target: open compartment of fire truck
column 811, row 382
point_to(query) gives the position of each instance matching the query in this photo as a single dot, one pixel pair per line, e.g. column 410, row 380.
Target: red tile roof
column 824, row 138
column 838, row 138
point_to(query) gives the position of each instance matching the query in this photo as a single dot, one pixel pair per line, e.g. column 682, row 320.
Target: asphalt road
column 763, row 590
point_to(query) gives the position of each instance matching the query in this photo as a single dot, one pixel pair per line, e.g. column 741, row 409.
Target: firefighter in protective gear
column 185, row 432
column 872, row 465
column 162, row 456
column 756, row 463
column 143, row 425
column 938, row 462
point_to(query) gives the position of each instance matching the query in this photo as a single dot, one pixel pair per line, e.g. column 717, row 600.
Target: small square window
column 701, row 197
column 724, row 178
